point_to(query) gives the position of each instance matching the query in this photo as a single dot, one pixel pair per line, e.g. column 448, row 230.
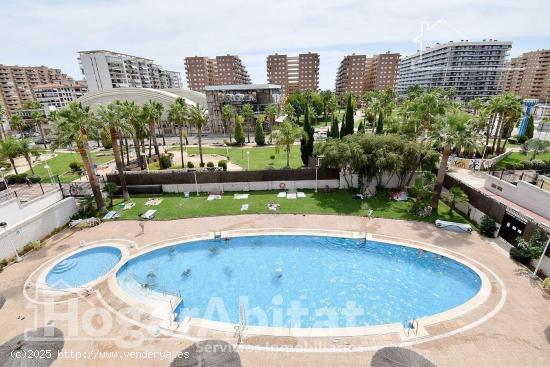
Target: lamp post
column 534, row 275
column 2, row 169
column 50, row 174
column 196, row 183
column 248, row 160
column 18, row 258
column 144, row 156
column 316, row 170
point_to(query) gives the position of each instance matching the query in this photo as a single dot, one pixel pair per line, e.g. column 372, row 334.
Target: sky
column 51, row 32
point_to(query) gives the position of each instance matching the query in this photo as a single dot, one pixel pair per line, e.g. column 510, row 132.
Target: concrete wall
column 250, row 186
column 523, row 194
column 38, row 218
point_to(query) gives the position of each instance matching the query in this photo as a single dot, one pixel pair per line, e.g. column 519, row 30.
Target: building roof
column 241, row 87
column 113, row 53
column 438, row 46
column 52, row 85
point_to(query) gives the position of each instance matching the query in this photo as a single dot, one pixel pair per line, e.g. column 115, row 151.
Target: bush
column 201, row 165
column 34, row 178
column 537, row 164
column 514, row 165
column 6, row 165
column 165, row 161
column 223, row 165
column 259, row 135
column 522, row 139
column 520, row 255
column 190, row 164
column 526, row 165
column 13, row 179
column 528, row 250
column 210, row 164
column 75, row 166
column 513, row 140
column 488, row 226
column 271, row 157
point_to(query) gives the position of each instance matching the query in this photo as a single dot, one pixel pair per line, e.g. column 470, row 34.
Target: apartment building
column 528, row 75
column 202, row 71
column 106, row 70
column 473, row 68
column 351, row 75
column 381, row 71
column 17, row 83
column 294, row 73
column 56, row 96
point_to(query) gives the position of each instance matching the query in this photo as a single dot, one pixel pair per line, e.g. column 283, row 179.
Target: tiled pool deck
column 511, row 327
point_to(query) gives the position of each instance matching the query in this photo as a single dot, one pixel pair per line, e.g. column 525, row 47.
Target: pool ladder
column 411, row 325
column 239, row 329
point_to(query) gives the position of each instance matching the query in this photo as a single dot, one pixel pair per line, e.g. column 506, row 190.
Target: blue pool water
column 303, row 281
column 83, row 267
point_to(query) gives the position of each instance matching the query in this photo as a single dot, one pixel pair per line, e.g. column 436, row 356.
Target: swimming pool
column 83, row 267
column 303, row 281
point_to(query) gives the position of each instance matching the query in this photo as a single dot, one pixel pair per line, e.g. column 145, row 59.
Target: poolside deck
column 511, row 328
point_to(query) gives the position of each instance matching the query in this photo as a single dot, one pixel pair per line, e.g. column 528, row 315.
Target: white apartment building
column 106, row 70
column 56, row 96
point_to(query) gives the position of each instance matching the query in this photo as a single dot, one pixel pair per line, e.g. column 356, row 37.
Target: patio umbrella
column 2, row 300
column 208, row 353
column 399, row 357
column 42, row 344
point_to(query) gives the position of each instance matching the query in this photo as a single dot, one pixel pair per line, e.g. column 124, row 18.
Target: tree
column 349, row 122
column 289, row 112
column 198, row 118
column 239, row 132
column 271, row 114
column 110, row 188
column 361, row 127
column 507, row 108
column 2, row 131
column 530, row 130
column 71, row 127
column 178, row 115
column 228, row 113
column 326, row 96
column 423, row 187
column 285, row 137
column 334, row 132
column 456, row 196
column 27, row 151
column 453, row 130
column 259, row 136
column 10, row 149
column 17, row 123
column 475, row 105
column 306, row 142
column 110, row 119
column 132, row 114
column 152, row 115
column 536, row 146
column 248, row 114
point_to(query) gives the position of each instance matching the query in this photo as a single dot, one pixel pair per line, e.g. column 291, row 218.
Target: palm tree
column 71, row 126
column 37, row 117
column 17, row 123
column 27, row 151
column 2, row 132
column 178, row 115
column 506, row 109
column 423, row 187
column 456, row 196
column 10, row 149
column 271, row 113
column 475, row 105
column 110, row 188
column 536, row 146
column 198, row 118
column 151, row 115
column 248, row 114
column 130, row 112
column 285, row 137
column 228, row 113
column 453, row 130
column 109, row 117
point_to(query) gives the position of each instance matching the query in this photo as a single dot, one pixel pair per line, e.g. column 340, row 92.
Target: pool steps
column 64, row 266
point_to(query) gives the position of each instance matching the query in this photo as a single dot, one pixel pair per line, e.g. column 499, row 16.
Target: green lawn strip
column 516, row 157
column 59, row 165
column 260, row 157
column 341, row 202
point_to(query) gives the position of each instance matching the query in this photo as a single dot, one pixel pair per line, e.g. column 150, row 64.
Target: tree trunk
column 441, row 176
column 138, row 153
column 121, row 148
column 248, row 131
column 39, row 124
column 199, row 131
column 127, row 150
column 181, row 144
column 501, row 130
column 84, row 151
column 497, row 132
column 30, row 163
column 162, row 134
column 154, row 139
column 119, row 165
column 13, row 165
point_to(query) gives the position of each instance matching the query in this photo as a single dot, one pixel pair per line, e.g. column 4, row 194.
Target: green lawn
column 517, row 157
column 60, row 165
column 337, row 202
column 260, row 157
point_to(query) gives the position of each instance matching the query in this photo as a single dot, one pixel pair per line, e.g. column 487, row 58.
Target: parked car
column 42, row 141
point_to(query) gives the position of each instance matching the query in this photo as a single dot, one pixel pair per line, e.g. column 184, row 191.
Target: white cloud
column 51, row 32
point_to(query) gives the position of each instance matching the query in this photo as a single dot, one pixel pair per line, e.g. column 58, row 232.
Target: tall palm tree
column 198, row 118
column 452, row 130
column 271, row 113
column 248, row 114
column 109, row 117
column 475, row 105
column 151, row 115
column 228, row 114
column 10, row 149
column 285, row 137
column 130, row 112
column 511, row 111
column 37, row 117
column 178, row 115
column 27, row 151
column 71, row 127
column 17, row 123
column 158, row 107
column 2, row 113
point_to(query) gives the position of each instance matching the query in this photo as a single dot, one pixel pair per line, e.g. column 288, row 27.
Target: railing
column 514, row 177
column 411, row 325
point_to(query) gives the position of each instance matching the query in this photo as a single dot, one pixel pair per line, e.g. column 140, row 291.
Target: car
column 42, row 141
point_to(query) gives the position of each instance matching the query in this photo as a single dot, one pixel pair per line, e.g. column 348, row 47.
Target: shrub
column 520, row 255
column 488, row 226
column 13, row 179
column 522, row 139
column 201, row 165
column 527, row 250
column 513, row 140
column 514, row 165
column 526, row 165
column 35, row 178
column 210, row 164
column 538, row 164
column 75, row 166
column 165, row 161
column 259, row 135
column 239, row 132
column 6, row 165
column 190, row 164
column 271, row 157
column 223, row 165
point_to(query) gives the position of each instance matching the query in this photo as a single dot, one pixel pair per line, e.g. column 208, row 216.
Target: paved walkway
column 517, row 334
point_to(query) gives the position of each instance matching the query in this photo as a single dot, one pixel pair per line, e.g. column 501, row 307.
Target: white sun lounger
column 214, row 197
column 240, row 196
column 244, row 207
column 111, row 215
column 149, row 214
column 128, row 206
column 291, row 195
column 453, row 225
column 186, row 194
column 282, row 194
column 300, row 194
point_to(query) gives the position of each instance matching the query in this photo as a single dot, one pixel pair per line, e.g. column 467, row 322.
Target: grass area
column 59, row 165
column 260, row 157
column 517, row 157
column 337, row 202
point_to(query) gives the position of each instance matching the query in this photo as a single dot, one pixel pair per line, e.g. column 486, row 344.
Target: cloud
column 51, row 32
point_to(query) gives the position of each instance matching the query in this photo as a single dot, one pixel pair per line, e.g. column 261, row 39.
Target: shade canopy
column 16, row 351
column 399, row 357
column 208, row 353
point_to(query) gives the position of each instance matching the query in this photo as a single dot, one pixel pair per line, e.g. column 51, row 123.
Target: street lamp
column 248, row 160
column 50, row 174
column 18, row 258
column 196, row 183
column 316, row 170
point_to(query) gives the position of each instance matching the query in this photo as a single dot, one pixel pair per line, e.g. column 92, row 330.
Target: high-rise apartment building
column 473, row 68
column 17, row 83
column 106, row 70
column 359, row 73
column 528, row 75
column 202, row 71
column 294, row 73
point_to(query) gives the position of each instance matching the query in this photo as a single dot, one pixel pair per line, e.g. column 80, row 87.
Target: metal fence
column 514, row 177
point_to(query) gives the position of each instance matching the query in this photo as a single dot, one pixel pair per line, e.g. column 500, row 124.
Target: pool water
column 83, row 267
column 303, row 281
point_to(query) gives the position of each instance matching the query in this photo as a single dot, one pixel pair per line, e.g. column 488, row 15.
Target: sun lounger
column 291, row 195
column 453, row 225
column 213, row 197
column 240, row 196
column 111, row 215
column 149, row 214
column 282, row 194
column 272, row 207
column 300, row 194
column 153, row 202
column 128, row 206
column 186, row 194
column 244, row 207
